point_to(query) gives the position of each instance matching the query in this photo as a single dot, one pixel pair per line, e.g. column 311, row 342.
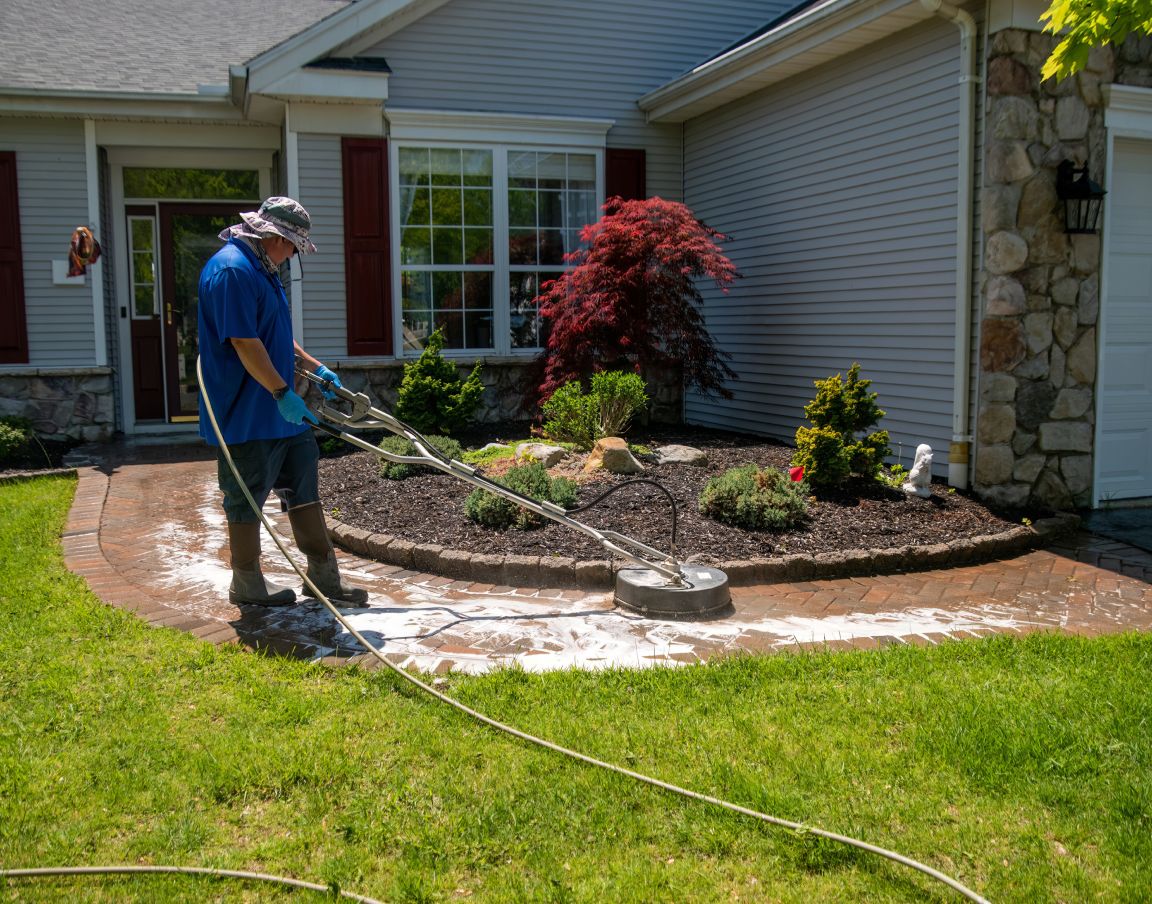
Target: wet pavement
column 147, row 532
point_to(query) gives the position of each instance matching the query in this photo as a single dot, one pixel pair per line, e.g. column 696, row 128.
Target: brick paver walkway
column 147, row 533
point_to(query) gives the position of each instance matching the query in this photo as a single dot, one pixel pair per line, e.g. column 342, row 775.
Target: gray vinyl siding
column 838, row 188
column 590, row 59
column 322, row 193
column 52, row 183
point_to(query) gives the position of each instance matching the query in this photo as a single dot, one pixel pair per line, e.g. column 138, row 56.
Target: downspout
column 958, row 453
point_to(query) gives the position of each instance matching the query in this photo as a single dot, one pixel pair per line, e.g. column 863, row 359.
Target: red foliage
column 630, row 299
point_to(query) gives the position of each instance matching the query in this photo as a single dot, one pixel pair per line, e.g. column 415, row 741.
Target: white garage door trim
column 1128, row 117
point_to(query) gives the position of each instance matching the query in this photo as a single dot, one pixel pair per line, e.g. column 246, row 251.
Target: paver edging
column 21, row 476
column 566, row 573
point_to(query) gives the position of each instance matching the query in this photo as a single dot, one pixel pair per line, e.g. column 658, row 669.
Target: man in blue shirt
column 248, row 358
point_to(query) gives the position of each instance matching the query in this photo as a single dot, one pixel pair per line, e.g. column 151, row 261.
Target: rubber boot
column 311, row 535
column 248, row 584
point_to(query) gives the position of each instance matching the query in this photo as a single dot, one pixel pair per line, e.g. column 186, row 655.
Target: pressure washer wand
column 365, row 416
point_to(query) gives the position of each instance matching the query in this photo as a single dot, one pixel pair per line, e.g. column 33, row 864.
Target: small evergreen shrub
column 573, row 416
column 838, row 444
column 755, row 499
column 398, row 445
column 533, row 480
column 432, row 396
column 15, row 434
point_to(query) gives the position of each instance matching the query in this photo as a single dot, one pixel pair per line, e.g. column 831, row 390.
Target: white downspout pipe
column 958, row 454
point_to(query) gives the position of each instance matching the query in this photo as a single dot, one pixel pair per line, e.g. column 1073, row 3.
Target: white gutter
column 958, row 453
column 96, row 270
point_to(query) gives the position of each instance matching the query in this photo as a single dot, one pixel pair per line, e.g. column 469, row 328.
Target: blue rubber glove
column 326, row 373
column 293, row 409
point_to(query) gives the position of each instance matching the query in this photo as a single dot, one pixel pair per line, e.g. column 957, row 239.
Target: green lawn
column 1021, row 767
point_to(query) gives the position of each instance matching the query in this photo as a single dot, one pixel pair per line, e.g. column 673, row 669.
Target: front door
column 169, row 243
column 1124, row 469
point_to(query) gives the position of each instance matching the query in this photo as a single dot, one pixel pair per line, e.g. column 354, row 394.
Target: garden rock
column 541, row 452
column 681, row 455
column 611, row 454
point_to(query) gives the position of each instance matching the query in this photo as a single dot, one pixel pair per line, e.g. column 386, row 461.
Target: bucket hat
column 283, row 217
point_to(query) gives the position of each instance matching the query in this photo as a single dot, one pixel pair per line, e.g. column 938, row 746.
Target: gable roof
column 132, row 47
column 808, row 35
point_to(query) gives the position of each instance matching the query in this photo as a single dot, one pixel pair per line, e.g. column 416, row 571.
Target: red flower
column 797, row 473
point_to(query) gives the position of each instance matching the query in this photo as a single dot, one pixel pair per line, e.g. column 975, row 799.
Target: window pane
column 477, row 246
column 446, row 207
column 447, row 245
column 550, row 170
column 478, row 329
column 141, row 234
column 478, row 290
column 522, row 208
column 521, row 246
column 417, row 327
column 581, row 209
column 145, row 300
column 477, row 207
column 415, row 208
column 551, row 246
column 452, row 323
column 413, row 166
column 142, row 270
column 551, row 209
column 445, row 166
column 194, row 184
column 416, row 290
column 415, row 246
column 478, row 168
column 522, row 169
column 447, row 290
column 522, row 309
column 582, row 172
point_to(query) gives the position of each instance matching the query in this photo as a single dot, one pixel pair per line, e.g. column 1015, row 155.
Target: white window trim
column 458, row 127
column 502, row 346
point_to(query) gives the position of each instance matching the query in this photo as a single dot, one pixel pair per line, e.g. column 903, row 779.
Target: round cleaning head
column 703, row 593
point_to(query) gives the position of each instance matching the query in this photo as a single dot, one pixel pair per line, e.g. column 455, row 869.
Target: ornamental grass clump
column 573, row 416
column 398, row 445
column 838, row 445
column 530, row 479
column 755, row 499
column 432, row 397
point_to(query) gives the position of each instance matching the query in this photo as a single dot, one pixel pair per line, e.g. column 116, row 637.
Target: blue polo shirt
column 240, row 299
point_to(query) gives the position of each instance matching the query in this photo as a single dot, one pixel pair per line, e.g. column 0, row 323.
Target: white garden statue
column 920, row 477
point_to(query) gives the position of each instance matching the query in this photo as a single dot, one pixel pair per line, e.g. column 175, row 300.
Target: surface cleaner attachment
column 653, row 584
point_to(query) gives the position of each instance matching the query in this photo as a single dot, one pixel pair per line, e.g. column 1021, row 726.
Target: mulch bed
column 45, row 455
column 429, row 507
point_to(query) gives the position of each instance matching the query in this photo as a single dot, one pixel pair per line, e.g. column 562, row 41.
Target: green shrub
column 432, row 396
column 398, row 445
column 838, row 444
column 580, row 418
column 755, row 499
column 531, row 479
column 15, row 434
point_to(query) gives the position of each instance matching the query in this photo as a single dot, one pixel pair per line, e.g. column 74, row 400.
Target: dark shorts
column 287, row 466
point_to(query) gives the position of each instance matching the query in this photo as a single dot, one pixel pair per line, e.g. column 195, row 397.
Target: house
column 887, row 170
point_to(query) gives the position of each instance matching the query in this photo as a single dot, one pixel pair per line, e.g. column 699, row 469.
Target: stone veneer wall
column 503, row 389
column 1038, row 337
column 72, row 403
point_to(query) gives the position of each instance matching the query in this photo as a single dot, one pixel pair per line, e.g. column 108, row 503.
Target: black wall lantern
column 1081, row 198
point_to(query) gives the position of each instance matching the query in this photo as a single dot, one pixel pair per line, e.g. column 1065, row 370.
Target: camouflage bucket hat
column 285, row 218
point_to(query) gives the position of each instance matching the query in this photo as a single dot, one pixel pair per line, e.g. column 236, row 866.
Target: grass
column 1023, row 767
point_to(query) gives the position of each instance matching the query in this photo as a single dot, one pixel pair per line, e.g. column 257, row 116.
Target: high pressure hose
column 532, row 739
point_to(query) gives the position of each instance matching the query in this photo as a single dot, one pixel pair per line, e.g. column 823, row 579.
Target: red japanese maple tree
column 630, row 300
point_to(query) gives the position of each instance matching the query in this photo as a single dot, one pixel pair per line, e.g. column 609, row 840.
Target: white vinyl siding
column 52, row 183
column 838, row 188
column 590, row 59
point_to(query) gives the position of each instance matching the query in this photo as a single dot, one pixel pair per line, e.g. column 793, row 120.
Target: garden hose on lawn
column 487, row 720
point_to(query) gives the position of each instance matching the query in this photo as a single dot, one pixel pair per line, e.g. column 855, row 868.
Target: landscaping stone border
column 20, row 476
column 564, row 573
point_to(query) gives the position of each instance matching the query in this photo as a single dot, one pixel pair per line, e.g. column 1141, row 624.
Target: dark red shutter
column 13, row 330
column 624, row 170
column 367, row 263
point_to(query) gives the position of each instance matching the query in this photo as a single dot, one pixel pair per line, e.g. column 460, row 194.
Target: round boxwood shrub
column 398, row 445
column 755, row 499
column 532, row 480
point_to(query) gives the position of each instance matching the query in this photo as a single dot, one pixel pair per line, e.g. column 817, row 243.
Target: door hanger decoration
column 84, row 250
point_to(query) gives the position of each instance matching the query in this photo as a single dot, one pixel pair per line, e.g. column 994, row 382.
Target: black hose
column 663, row 489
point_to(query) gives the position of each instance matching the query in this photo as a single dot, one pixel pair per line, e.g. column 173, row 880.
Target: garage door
column 1124, row 467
